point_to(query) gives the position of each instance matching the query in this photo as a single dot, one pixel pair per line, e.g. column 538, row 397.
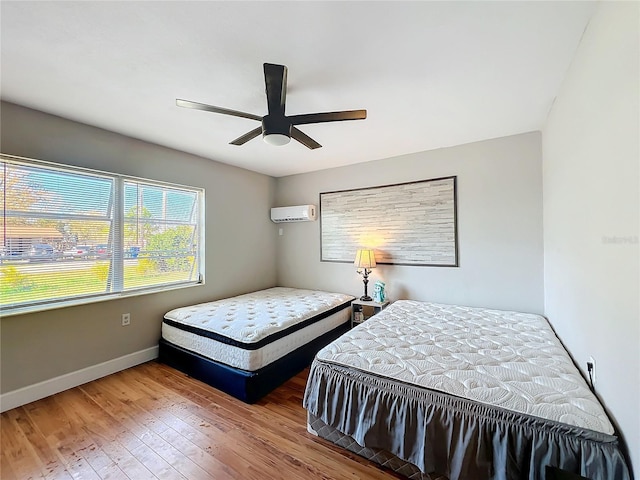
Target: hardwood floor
column 153, row 422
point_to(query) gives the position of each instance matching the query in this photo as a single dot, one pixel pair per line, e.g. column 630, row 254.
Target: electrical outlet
column 591, row 364
column 126, row 319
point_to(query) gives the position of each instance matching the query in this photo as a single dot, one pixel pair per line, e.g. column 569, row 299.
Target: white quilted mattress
column 507, row 359
column 248, row 324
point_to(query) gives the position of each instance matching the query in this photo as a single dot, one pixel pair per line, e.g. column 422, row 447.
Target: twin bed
column 248, row 345
column 431, row 391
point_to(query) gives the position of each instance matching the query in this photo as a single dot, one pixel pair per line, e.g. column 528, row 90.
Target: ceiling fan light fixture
column 276, row 139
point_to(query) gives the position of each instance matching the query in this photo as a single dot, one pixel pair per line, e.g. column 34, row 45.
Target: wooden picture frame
column 413, row 223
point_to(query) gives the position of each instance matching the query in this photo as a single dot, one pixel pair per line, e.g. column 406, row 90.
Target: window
column 68, row 235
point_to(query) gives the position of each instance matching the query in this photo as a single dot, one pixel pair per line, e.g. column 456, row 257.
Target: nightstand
column 361, row 310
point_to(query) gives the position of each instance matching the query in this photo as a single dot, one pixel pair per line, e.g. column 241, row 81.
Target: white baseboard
column 29, row 394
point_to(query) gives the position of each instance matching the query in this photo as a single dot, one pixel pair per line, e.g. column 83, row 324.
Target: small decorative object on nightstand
column 361, row 310
column 378, row 292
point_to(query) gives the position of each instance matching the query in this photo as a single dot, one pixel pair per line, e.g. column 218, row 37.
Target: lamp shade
column 365, row 259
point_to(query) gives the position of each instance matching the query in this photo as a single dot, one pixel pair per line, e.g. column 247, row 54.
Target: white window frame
column 118, row 240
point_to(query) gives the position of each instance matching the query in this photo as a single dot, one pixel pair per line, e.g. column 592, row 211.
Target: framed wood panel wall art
column 406, row 224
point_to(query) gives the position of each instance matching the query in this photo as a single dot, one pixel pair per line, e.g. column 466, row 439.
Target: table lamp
column 364, row 262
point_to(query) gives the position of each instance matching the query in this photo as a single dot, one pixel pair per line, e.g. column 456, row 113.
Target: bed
column 249, row 344
column 439, row 391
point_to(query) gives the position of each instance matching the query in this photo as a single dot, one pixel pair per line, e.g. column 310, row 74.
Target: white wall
column 591, row 209
column 499, row 226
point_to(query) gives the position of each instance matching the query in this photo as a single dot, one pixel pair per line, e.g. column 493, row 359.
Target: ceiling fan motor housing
column 276, row 130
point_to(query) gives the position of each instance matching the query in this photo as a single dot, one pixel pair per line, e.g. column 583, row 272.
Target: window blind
column 70, row 234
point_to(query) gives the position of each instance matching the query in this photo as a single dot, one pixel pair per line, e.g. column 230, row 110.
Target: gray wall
column 591, row 208
column 40, row 346
column 499, row 226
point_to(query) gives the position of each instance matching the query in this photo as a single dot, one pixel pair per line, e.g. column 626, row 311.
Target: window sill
column 53, row 305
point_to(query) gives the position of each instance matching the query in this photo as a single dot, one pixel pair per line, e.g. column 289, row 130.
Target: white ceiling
column 430, row 74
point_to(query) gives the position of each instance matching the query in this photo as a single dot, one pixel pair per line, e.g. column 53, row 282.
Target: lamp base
column 366, row 298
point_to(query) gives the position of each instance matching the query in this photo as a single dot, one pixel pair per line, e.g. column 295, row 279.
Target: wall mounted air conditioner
column 299, row 213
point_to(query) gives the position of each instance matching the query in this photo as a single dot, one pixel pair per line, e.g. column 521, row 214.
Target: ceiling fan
column 278, row 128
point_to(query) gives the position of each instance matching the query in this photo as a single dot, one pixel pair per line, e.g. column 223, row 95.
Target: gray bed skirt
column 455, row 437
column 382, row 457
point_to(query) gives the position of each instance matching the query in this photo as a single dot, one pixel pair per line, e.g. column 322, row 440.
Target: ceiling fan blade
column 304, row 139
column 327, row 117
column 211, row 108
column 247, row 136
column 275, row 80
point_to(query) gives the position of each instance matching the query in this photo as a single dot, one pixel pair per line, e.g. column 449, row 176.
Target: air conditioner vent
column 298, row 213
